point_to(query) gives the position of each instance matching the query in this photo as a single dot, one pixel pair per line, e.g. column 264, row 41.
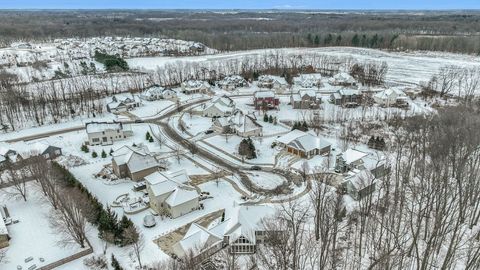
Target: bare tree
column 16, row 179
column 136, row 240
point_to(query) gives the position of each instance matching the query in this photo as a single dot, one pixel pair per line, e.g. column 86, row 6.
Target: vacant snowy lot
column 33, row 236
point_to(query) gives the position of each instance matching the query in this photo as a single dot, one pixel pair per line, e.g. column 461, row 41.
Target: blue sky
column 241, row 4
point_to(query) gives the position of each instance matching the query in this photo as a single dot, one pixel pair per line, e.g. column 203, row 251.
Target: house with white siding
column 170, row 195
column 195, row 87
column 106, row 133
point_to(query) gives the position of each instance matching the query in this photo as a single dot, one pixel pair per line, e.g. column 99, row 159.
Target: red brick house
column 265, row 100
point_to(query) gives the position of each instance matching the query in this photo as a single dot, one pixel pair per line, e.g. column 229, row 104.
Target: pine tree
column 104, row 154
column 84, row 148
column 107, row 223
column 317, row 40
column 147, row 136
column 151, row 139
column 94, row 154
column 111, row 151
column 265, row 118
column 115, row 263
column 270, row 119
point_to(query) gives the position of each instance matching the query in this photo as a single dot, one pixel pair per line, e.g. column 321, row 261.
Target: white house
column 123, row 103
column 195, row 87
column 359, row 183
column 157, row 92
column 170, row 195
column 276, row 83
column 103, row 133
column 219, row 107
column 389, row 97
column 343, row 79
column 241, row 232
column 230, row 83
column 353, row 159
column 308, row 81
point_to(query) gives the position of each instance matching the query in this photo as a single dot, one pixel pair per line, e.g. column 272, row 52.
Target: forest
column 241, row 30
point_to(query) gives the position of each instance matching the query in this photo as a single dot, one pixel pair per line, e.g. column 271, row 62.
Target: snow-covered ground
column 266, row 180
column 33, row 235
column 404, row 67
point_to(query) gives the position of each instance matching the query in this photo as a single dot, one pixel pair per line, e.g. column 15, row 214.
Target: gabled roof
column 264, row 94
column 180, row 195
column 360, row 179
column 93, row 127
column 290, row 136
column 352, row 155
column 196, row 239
column 136, row 158
column 244, row 123
column 349, row 92
column 308, row 142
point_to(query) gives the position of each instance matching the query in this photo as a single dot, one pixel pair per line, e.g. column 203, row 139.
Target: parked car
column 139, row 121
column 256, row 168
column 209, row 131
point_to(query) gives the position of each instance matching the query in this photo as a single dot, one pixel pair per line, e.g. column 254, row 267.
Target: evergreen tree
column 115, row 264
column 84, row 148
column 305, row 126
column 265, row 118
column 147, row 136
column 317, row 40
column 104, row 154
column 270, row 119
column 94, row 154
column 151, row 139
column 111, row 151
column 355, row 40
column 107, row 223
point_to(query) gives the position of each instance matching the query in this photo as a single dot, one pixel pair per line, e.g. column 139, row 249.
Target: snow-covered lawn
column 266, row 180
column 196, row 124
column 265, row 153
column 33, row 235
column 152, row 108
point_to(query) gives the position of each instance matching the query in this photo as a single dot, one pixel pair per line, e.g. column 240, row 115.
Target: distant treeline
column 438, row 31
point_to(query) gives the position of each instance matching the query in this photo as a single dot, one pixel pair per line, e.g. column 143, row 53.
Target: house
column 265, row 100
column 44, row 149
column 346, row 97
column 353, row 159
column 169, row 195
column 244, row 125
column 4, row 236
column 123, row 103
column 104, row 133
column 219, row 107
column 306, row 99
column 231, row 83
column 276, row 83
column 390, row 97
column 195, row 87
column 359, row 183
column 7, row 154
column 133, row 162
column 309, row 81
column 157, row 92
column 241, row 233
column 342, row 79
column 303, row 144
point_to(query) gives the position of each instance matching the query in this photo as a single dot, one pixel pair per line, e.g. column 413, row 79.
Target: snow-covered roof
column 94, row 127
column 309, row 142
column 348, row 92
column 308, row 80
column 391, row 92
column 290, row 136
column 196, row 239
column 272, row 79
column 352, row 155
column 233, row 79
column 360, row 179
column 307, row 92
column 3, row 226
column 180, row 195
column 173, row 184
column 153, row 91
column 194, row 84
column 244, row 123
column 136, row 158
column 342, row 77
column 264, row 94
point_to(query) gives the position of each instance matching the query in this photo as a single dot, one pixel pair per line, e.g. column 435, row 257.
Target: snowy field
column 403, row 67
column 266, row 180
column 33, row 235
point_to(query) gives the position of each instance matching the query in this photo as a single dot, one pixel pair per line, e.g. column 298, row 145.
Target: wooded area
column 438, row 31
